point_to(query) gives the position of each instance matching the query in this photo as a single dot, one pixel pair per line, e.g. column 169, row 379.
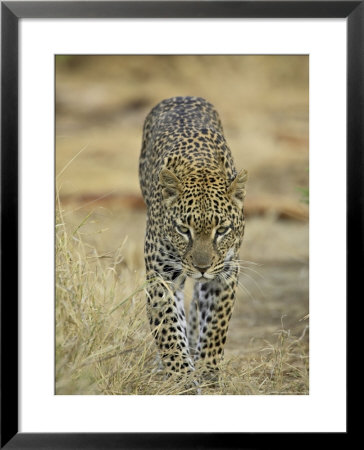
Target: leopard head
column 203, row 219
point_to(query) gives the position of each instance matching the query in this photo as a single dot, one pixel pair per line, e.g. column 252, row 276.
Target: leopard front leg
column 193, row 329
column 168, row 324
column 216, row 301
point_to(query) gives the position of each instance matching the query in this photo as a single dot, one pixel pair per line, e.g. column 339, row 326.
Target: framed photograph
column 181, row 220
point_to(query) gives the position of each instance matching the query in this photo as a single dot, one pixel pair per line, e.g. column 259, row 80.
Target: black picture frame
column 11, row 13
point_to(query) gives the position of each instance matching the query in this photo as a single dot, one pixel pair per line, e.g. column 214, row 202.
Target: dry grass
column 103, row 342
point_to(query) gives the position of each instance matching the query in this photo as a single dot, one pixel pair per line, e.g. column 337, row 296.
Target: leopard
column 195, row 225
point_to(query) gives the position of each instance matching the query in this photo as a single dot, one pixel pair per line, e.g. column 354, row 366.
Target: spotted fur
column 195, row 226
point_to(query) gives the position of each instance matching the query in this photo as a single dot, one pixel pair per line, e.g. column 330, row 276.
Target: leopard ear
column 171, row 186
column 237, row 188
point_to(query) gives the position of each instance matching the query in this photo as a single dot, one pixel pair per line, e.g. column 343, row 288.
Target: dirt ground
column 101, row 103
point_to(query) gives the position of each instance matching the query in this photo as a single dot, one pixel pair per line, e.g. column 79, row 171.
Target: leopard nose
column 202, row 269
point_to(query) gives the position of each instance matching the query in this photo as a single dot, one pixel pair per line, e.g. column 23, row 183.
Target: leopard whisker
column 246, row 268
column 247, row 262
column 242, row 273
column 253, row 271
column 245, row 289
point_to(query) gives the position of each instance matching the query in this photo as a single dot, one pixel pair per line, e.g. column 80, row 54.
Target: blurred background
column 263, row 102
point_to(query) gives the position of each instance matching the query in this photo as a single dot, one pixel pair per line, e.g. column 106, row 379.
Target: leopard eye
column 182, row 229
column 222, row 230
